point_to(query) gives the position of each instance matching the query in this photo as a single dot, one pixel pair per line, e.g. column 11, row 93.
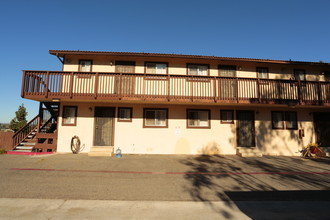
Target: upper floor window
column 155, row 118
column 157, row 68
column 85, row 65
column 262, row 72
column 198, row 118
column 327, row 76
column 299, row 74
column 125, row 66
column 198, row 69
column 227, row 71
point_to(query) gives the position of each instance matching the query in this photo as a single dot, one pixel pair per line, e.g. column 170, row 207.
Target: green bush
column 2, row 151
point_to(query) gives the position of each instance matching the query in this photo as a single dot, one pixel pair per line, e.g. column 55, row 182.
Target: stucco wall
column 132, row 138
column 179, row 66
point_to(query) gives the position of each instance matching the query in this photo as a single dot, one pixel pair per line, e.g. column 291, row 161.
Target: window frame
column 284, row 119
column 222, row 121
column 262, row 68
column 296, row 70
column 221, row 68
column 125, row 63
column 75, row 115
column 198, row 64
column 199, row 110
column 149, row 62
column 130, row 113
column 156, row 76
column 155, row 109
column 80, row 66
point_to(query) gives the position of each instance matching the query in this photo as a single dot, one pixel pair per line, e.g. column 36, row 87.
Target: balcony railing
column 40, row 85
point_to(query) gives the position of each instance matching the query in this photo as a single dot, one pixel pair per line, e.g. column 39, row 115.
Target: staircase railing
column 22, row 133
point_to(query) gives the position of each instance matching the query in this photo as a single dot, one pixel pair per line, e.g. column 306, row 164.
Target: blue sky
column 279, row 29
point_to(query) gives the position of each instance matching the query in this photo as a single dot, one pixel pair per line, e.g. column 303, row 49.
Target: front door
column 245, row 129
column 104, row 123
column 322, row 128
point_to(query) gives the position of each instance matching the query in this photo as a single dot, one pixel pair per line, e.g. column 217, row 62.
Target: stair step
column 28, row 143
column 248, row 152
column 101, row 151
column 23, row 148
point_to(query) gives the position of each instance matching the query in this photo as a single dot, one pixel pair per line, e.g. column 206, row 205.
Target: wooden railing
column 180, row 88
column 22, row 133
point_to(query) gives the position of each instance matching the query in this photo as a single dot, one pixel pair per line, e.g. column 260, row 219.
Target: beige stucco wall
column 132, row 138
column 179, row 66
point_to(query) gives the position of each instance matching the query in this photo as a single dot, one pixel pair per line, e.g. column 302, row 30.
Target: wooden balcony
column 49, row 85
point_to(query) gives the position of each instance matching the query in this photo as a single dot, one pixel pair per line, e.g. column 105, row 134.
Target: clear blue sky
column 270, row 29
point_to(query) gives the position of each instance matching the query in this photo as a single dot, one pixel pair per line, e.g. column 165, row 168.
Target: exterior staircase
column 101, row 151
column 248, row 152
column 38, row 134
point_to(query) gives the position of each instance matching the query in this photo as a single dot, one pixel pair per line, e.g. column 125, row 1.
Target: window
column 227, row 116
column 299, row 74
column 69, row 115
column 227, row 71
column 85, row 65
column 125, row 66
column 284, row 120
column 262, row 72
column 198, row 118
column 125, row 114
column 156, row 118
column 157, row 68
column 327, row 76
column 198, row 69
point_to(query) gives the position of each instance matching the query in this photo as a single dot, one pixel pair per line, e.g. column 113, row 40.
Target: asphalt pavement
column 76, row 186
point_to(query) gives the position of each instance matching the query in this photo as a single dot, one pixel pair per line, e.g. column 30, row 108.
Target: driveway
column 242, row 183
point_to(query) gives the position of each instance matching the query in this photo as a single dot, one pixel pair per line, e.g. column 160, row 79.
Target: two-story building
column 150, row 103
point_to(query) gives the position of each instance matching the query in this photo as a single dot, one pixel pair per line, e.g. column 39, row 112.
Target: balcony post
column 237, row 96
column 23, row 89
column 46, row 86
column 258, row 90
column 215, row 89
column 120, row 85
column 168, row 87
column 299, row 92
column 96, row 86
column 71, row 85
column 319, row 95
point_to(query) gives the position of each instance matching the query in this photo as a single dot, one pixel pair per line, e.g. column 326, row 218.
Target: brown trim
column 226, row 122
column 75, row 117
column 144, row 118
column 123, row 120
column 79, row 66
column 198, row 127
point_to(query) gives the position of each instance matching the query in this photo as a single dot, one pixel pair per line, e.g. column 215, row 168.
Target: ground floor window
column 284, row 120
column 125, row 114
column 227, row 116
column 198, row 118
column 69, row 115
column 155, row 118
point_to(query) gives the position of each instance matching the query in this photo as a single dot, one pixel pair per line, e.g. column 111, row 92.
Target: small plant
column 312, row 150
column 3, row 151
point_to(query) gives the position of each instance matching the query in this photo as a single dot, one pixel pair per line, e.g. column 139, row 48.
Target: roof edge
column 62, row 53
